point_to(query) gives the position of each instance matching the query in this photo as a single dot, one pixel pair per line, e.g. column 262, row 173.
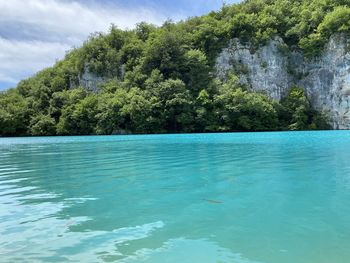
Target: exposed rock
column 262, row 70
column 326, row 79
column 328, row 82
column 90, row 80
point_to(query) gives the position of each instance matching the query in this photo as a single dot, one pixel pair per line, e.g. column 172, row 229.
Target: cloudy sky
column 36, row 33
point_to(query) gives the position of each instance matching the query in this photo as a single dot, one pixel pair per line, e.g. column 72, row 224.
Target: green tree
column 109, row 119
column 42, row 125
column 244, row 111
column 144, row 30
column 124, row 111
column 205, row 117
column 177, row 107
column 196, row 71
column 296, row 109
column 79, row 118
column 14, row 113
column 165, row 51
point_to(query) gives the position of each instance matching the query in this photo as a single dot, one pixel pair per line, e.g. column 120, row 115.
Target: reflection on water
column 240, row 198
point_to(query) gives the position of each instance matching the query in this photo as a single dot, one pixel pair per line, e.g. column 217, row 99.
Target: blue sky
column 36, row 33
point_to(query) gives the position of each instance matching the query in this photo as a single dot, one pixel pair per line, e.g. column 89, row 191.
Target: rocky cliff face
column 273, row 70
column 90, row 81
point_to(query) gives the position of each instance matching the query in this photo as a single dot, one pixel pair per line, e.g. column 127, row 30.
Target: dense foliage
column 161, row 79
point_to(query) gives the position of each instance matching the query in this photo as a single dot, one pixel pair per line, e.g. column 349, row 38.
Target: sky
column 34, row 34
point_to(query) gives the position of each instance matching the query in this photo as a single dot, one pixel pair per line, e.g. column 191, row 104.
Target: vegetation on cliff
column 162, row 79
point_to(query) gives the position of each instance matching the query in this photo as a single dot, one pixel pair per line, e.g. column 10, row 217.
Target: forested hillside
column 162, row 79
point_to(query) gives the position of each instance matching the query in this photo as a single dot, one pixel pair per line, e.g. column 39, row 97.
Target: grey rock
column 90, row 80
column 326, row 79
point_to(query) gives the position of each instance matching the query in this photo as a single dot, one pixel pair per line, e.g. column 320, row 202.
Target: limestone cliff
column 90, row 80
column 273, row 69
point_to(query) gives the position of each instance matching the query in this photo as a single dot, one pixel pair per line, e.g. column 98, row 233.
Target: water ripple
column 233, row 198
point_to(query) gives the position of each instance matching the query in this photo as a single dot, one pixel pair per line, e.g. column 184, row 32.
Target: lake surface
column 208, row 198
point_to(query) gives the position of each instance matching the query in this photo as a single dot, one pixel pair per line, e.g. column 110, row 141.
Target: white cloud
column 35, row 33
column 22, row 58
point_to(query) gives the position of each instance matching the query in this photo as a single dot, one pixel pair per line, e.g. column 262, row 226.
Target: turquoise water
column 209, row 198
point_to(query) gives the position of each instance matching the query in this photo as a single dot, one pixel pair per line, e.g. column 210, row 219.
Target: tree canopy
column 161, row 79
